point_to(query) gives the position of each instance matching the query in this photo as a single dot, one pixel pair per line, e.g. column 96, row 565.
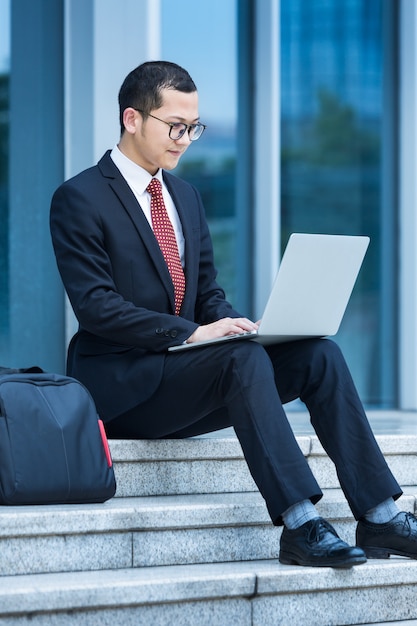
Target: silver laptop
column 310, row 292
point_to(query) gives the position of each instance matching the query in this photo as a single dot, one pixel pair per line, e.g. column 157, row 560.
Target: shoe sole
column 288, row 559
column 384, row 553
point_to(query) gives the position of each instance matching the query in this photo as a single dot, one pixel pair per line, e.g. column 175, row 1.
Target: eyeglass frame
column 186, row 127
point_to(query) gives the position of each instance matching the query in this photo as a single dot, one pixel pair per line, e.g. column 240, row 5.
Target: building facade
column 311, row 114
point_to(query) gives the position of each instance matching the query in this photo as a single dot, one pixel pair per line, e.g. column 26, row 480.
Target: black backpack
column 53, row 447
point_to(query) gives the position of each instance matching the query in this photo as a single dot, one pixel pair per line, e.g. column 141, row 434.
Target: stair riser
column 209, row 613
column 184, row 543
column 338, row 607
column 125, row 550
column 343, row 607
column 182, row 477
column 219, row 476
column 34, row 555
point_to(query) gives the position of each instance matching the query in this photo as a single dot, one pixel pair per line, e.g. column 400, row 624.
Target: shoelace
column 319, row 529
column 409, row 522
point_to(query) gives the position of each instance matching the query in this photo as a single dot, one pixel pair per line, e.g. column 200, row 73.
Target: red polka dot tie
column 165, row 236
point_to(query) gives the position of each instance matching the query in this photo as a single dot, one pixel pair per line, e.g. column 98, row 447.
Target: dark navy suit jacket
column 119, row 286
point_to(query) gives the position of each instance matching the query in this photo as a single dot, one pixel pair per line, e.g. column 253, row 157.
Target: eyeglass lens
column 178, row 130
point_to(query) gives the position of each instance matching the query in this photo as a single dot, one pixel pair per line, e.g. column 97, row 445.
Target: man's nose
column 184, row 140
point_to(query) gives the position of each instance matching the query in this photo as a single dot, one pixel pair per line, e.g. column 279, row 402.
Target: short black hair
column 142, row 87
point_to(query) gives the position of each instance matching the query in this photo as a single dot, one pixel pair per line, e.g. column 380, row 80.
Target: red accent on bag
column 105, row 443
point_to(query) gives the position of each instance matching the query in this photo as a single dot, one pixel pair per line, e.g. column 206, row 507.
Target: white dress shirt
column 138, row 179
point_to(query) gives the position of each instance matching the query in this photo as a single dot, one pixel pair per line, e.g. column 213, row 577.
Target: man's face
column 147, row 142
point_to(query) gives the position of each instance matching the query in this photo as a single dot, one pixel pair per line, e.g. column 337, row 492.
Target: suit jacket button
column 159, row 331
column 174, row 333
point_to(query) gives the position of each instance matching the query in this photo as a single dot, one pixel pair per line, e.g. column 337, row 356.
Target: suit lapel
column 132, row 207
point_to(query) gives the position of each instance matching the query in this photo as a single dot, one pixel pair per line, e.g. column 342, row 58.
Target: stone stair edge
column 159, row 513
column 191, row 449
column 132, row 514
column 218, row 448
column 184, row 583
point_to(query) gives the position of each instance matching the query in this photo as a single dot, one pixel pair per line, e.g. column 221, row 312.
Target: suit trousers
column 244, row 385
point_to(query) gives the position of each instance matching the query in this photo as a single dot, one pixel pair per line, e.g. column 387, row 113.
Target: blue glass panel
column 338, row 126
column 35, row 168
column 202, row 37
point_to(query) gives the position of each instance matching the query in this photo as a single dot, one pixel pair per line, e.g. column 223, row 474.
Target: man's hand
column 222, row 328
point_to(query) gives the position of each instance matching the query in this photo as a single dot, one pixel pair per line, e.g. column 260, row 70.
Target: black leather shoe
column 379, row 541
column 317, row 544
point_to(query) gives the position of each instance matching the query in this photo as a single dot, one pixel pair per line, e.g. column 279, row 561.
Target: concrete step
column 216, row 465
column 152, row 531
column 246, row 594
column 188, row 540
column 194, row 525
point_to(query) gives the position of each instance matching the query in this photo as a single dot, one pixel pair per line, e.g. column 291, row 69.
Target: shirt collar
column 136, row 176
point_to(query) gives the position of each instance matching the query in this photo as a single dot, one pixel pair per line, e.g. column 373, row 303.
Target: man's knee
column 252, row 351
column 327, row 363
column 251, row 360
column 323, row 349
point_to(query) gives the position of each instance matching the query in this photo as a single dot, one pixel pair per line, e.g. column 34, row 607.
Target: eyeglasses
column 177, row 129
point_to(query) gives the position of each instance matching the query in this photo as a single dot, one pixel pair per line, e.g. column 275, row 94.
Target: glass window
column 4, row 166
column 210, row 163
column 337, row 129
column 31, row 305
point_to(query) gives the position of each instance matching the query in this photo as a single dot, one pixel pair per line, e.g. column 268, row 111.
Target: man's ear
column 130, row 120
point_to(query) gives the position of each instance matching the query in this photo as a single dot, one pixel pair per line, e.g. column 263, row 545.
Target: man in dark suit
column 134, row 299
